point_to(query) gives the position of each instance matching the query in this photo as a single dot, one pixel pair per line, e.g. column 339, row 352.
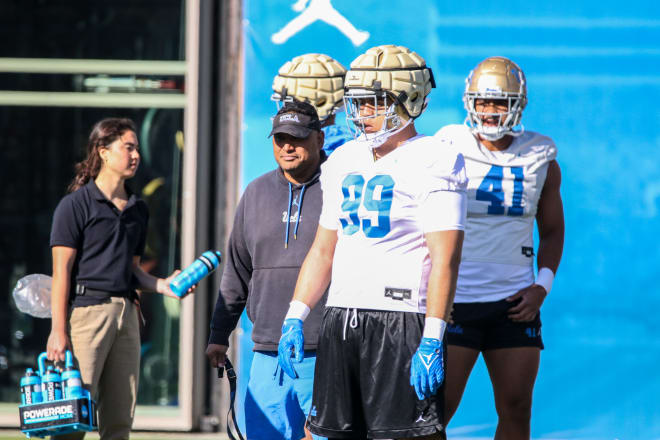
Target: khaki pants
column 106, row 345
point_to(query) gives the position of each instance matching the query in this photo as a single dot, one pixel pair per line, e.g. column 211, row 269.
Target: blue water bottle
column 30, row 388
column 71, row 379
column 52, row 385
column 201, row 267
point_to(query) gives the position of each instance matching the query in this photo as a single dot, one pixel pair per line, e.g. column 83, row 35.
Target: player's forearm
column 445, row 249
column 551, row 247
column 314, row 278
column 441, row 289
column 316, row 270
column 550, row 221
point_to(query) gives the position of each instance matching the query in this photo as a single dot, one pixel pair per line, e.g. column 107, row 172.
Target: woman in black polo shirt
column 98, row 235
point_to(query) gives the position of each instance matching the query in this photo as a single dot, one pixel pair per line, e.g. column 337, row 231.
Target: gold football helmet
column 496, row 78
column 314, row 78
column 391, row 76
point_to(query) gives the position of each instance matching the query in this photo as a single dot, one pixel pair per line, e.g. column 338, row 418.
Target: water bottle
column 201, row 267
column 30, row 388
column 71, row 379
column 52, row 385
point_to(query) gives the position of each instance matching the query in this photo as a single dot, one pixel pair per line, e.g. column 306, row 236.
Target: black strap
column 84, row 296
column 231, row 376
column 82, row 290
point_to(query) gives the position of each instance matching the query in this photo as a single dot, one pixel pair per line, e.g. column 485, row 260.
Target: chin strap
column 231, row 376
column 379, row 140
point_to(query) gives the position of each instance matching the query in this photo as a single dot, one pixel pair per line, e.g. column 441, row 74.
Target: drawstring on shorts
column 354, row 320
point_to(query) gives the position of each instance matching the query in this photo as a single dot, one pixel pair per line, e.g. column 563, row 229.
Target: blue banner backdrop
column 593, row 71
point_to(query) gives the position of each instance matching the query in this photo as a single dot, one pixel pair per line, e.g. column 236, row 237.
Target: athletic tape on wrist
column 434, row 328
column 545, row 278
column 297, row 310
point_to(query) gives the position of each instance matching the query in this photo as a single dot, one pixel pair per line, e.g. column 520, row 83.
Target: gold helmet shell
column 397, row 70
column 496, row 78
column 314, row 78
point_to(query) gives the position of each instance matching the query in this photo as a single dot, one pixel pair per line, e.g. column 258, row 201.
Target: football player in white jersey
column 389, row 239
column 513, row 180
column 318, row 79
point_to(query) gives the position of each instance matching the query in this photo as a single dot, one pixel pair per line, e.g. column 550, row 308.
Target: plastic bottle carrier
column 52, row 406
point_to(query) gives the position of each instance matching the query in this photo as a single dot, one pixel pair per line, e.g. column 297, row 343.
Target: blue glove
column 426, row 369
column 291, row 346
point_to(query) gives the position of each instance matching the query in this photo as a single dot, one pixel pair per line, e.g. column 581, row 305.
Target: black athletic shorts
column 362, row 377
column 487, row 326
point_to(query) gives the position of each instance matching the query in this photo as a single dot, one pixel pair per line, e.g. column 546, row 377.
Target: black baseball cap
column 296, row 118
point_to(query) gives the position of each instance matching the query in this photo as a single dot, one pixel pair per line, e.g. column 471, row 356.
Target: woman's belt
column 86, row 296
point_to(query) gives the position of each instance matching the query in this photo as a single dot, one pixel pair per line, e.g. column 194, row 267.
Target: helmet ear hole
column 414, row 97
column 402, row 113
column 321, row 101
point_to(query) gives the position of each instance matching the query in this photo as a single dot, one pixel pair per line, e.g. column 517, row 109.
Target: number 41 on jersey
column 490, row 190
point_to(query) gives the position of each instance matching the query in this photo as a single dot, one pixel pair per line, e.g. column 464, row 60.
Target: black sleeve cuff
column 219, row 337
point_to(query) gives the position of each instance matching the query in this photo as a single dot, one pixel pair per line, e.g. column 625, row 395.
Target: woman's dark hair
column 105, row 132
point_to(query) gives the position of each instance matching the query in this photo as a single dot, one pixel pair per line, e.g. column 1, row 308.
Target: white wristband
column 434, row 328
column 545, row 278
column 297, row 310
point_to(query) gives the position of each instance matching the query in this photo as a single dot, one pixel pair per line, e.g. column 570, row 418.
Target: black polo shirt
column 106, row 239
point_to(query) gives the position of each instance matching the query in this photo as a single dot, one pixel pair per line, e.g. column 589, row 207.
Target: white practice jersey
column 381, row 261
column 503, row 193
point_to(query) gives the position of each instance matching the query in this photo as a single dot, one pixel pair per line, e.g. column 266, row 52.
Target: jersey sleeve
column 68, row 224
column 444, row 211
column 331, row 208
column 445, row 170
column 443, row 202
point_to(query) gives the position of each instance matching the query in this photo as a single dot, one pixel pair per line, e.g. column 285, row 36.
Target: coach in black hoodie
column 274, row 227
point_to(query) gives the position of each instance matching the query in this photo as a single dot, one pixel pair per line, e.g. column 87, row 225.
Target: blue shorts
column 277, row 406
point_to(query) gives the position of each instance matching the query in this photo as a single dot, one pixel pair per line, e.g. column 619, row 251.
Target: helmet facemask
column 508, row 121
column 380, row 104
column 280, row 99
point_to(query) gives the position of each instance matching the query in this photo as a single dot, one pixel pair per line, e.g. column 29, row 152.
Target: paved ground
column 10, row 434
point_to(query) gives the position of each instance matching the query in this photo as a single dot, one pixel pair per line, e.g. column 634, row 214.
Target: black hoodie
column 263, row 259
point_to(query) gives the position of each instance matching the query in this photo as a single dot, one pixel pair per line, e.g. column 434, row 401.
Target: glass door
column 57, row 78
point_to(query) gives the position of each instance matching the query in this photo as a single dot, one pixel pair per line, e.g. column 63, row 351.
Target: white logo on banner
column 318, row 10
